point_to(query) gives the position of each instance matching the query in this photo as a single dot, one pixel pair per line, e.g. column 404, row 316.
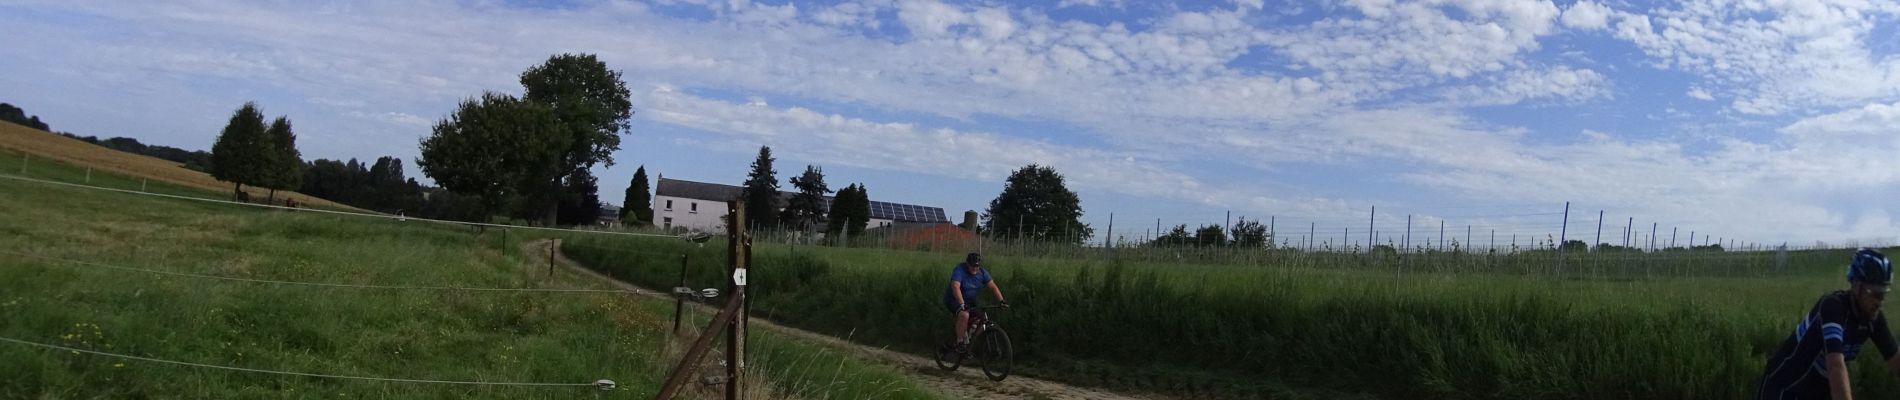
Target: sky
column 1758, row 121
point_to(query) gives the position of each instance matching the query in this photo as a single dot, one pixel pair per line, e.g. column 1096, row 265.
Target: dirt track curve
column 964, row 383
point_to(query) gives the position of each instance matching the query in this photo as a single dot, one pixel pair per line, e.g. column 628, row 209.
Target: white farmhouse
column 700, row 206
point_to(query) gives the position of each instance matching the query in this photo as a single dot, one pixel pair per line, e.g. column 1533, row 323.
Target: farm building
column 700, row 206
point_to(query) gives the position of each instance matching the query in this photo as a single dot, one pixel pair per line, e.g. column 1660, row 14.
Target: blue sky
column 1764, row 122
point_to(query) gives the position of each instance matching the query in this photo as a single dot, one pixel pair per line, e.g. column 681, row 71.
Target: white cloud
column 1560, row 83
column 1700, row 94
column 405, row 120
column 1588, row 15
column 1776, row 57
column 1420, row 40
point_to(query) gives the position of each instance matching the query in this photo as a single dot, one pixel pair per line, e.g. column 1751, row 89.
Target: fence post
column 740, row 245
column 1563, row 234
column 679, row 302
column 1370, row 230
column 551, row 243
column 1593, row 243
column 142, row 183
column 88, row 175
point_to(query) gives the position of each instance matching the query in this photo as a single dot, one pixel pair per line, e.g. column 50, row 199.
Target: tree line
column 1034, row 199
column 14, row 114
column 530, row 157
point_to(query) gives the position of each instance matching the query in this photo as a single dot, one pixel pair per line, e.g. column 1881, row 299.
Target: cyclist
column 961, row 296
column 1812, row 363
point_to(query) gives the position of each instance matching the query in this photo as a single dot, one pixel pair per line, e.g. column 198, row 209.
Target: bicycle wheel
column 947, row 357
column 995, row 353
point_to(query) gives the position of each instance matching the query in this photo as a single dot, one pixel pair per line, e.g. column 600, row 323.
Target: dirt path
column 964, row 383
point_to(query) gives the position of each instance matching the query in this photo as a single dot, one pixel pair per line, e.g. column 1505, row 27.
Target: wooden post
column 677, row 378
column 142, row 183
column 679, row 302
column 89, row 175
column 740, row 244
column 551, row 243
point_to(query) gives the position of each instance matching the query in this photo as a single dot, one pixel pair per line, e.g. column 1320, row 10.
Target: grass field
column 45, row 152
column 1687, row 329
column 374, row 332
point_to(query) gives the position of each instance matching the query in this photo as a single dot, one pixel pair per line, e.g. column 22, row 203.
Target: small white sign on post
column 738, row 277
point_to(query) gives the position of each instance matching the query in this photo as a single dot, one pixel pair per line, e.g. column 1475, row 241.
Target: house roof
column 695, row 190
column 725, row 193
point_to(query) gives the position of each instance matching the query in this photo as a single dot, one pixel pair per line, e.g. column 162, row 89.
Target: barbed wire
column 319, row 284
column 316, row 210
column 602, row 384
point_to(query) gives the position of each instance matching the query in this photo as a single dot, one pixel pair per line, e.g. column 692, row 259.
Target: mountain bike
column 989, row 346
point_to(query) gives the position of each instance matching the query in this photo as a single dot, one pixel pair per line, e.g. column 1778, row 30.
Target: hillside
column 40, row 144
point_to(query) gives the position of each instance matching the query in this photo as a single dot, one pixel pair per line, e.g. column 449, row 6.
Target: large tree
column 638, row 208
column 500, row 149
column 850, row 212
column 242, row 154
column 1250, row 234
column 760, row 192
column 1035, row 204
column 807, row 207
column 286, row 170
column 593, row 107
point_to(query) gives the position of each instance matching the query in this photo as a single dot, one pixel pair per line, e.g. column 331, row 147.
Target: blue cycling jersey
column 967, row 282
column 1798, row 370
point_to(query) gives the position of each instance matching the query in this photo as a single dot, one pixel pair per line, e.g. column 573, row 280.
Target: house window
column 695, row 206
column 669, row 205
column 669, row 223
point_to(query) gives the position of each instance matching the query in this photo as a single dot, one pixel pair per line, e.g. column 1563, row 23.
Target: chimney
column 969, row 221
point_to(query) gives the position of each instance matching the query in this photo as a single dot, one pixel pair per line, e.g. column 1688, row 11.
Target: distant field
column 533, row 337
column 43, row 147
column 1695, row 326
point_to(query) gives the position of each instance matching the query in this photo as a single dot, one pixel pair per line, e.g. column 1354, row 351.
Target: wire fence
column 316, row 284
column 1516, row 239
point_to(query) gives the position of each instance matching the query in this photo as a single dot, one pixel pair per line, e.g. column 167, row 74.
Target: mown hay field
column 42, row 148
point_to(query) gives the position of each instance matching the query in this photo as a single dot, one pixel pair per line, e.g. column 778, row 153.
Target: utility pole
column 1408, row 233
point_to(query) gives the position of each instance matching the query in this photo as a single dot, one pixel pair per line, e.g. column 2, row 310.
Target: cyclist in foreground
column 1812, row 363
column 961, row 296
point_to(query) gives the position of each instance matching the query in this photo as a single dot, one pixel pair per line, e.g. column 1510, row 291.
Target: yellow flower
column 118, row 365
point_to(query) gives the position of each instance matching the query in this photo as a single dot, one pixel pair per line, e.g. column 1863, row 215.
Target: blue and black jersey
column 967, row 283
column 1798, row 370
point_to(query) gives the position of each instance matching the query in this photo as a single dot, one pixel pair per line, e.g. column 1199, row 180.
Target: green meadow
column 126, row 274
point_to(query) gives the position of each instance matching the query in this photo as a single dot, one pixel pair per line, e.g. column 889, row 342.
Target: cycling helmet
column 1870, row 267
column 977, row 259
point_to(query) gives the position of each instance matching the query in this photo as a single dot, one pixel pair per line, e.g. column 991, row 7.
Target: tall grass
column 421, row 334
column 1250, row 331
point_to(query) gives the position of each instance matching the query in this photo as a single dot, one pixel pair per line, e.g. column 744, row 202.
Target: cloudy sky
column 1763, row 121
